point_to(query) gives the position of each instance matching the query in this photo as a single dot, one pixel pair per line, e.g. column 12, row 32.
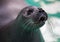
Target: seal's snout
column 42, row 18
column 43, row 15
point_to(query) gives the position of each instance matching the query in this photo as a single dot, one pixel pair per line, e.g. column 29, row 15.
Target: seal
column 25, row 28
column 32, row 17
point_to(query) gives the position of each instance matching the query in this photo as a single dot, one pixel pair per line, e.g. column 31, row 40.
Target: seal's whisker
column 30, row 26
column 26, row 27
column 26, row 22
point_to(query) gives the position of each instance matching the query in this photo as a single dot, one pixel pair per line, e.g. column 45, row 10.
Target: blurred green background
column 51, row 30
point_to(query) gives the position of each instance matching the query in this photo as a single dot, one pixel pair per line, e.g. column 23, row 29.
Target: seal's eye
column 30, row 11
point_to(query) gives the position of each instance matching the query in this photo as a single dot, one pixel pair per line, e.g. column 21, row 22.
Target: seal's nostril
column 42, row 19
column 41, row 10
column 30, row 11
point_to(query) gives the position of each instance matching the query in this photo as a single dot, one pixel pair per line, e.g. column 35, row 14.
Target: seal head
column 32, row 17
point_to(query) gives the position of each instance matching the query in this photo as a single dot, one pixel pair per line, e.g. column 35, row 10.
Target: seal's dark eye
column 30, row 11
